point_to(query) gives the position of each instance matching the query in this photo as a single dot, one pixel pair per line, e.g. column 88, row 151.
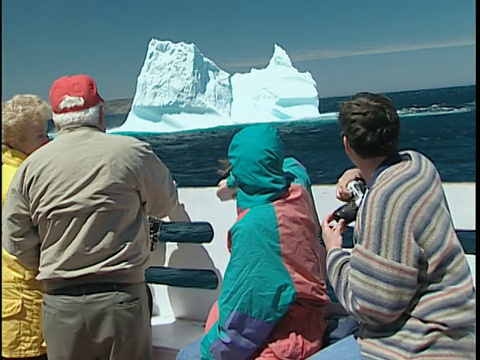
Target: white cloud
column 310, row 55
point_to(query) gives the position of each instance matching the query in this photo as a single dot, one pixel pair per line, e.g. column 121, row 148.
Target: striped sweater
column 407, row 279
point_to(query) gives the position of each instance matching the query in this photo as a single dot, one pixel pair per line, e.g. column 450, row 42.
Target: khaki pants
column 102, row 326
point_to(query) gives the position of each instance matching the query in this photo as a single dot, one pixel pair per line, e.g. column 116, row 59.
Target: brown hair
column 371, row 124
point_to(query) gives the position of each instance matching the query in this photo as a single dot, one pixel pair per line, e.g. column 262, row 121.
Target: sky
column 347, row 45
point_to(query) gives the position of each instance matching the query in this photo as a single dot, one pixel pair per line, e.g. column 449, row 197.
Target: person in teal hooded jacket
column 273, row 301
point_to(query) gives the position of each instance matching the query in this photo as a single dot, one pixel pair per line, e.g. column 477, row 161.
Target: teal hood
column 256, row 157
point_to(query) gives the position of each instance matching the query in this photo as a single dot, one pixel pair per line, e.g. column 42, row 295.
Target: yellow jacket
column 21, row 293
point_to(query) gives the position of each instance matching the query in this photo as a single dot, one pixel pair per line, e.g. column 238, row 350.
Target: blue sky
column 347, row 45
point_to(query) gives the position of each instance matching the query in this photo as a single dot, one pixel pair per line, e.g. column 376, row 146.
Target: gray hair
column 90, row 116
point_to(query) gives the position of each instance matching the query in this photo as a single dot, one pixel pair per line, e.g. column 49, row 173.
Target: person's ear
column 348, row 147
column 346, row 144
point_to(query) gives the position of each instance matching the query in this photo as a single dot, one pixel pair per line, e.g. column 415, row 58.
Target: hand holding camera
column 331, row 236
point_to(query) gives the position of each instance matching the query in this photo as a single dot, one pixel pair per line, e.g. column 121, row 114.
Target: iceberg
column 277, row 93
column 179, row 89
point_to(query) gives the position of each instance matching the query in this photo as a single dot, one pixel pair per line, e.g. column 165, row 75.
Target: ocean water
column 437, row 122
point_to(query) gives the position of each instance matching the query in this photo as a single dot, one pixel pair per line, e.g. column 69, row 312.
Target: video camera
column 349, row 211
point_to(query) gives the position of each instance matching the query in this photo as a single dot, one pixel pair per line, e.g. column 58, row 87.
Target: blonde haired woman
column 24, row 129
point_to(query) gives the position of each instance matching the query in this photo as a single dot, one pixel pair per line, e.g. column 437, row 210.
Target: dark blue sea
column 437, row 122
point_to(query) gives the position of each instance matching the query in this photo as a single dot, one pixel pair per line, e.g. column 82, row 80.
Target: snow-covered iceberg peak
column 179, row 76
column 280, row 58
column 278, row 92
column 177, row 85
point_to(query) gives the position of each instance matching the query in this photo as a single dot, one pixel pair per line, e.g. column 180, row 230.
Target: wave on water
column 435, row 109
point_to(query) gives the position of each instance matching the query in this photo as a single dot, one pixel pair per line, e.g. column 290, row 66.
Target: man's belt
column 88, row 289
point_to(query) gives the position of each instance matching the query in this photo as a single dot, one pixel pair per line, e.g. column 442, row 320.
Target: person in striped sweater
column 406, row 279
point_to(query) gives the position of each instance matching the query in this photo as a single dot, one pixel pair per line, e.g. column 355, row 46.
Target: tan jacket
column 77, row 207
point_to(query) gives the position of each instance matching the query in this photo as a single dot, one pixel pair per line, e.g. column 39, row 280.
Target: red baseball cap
column 82, row 86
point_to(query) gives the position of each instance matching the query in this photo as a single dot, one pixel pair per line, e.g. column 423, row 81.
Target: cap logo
column 69, row 102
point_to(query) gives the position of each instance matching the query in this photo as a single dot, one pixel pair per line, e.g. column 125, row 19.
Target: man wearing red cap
column 77, row 211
